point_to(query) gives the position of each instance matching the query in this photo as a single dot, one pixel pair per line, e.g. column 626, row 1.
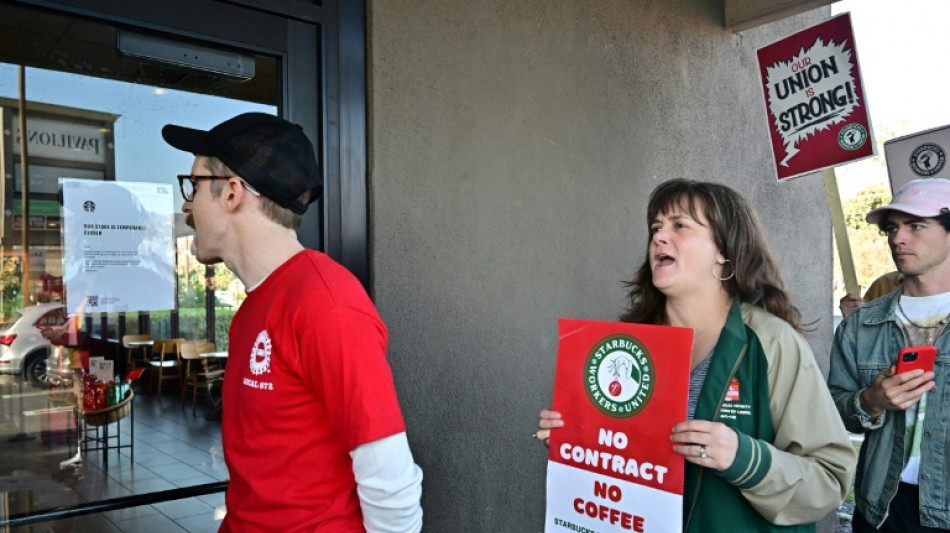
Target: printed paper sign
column 118, row 250
column 103, row 369
column 814, row 97
column 620, row 388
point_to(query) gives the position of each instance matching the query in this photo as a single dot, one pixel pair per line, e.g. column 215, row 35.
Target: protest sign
column 620, row 389
column 919, row 155
column 814, row 96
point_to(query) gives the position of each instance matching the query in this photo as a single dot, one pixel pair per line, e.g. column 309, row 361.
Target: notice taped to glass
column 118, row 249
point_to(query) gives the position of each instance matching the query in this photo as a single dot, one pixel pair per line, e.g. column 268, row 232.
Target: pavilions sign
column 61, row 139
column 817, row 109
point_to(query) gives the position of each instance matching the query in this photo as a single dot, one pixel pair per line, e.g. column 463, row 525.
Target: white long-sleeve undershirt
column 389, row 485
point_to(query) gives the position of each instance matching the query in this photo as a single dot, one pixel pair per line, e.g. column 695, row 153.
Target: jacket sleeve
column 845, row 383
column 806, row 471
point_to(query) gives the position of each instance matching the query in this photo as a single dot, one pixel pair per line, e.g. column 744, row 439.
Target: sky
column 141, row 153
column 901, row 47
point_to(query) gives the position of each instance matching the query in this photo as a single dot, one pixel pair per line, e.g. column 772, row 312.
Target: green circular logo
column 619, row 376
column 852, row 137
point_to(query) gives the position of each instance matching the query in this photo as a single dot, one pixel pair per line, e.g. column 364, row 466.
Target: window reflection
column 108, row 130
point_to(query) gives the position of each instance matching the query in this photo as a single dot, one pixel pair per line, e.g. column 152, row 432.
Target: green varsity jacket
column 795, row 460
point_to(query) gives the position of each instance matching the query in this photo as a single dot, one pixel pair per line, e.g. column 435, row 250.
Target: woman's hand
column 549, row 420
column 710, row 444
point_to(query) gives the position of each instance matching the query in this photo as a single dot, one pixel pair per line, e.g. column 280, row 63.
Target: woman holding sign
column 765, row 448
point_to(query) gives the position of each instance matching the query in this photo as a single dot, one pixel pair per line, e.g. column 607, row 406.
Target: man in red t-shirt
column 312, row 431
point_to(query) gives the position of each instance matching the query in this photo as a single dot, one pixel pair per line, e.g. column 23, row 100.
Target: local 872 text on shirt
column 307, row 382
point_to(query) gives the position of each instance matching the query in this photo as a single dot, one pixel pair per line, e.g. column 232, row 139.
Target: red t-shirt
column 306, row 382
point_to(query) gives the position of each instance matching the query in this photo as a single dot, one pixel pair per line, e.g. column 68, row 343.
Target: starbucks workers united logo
column 927, row 159
column 618, row 376
column 852, row 136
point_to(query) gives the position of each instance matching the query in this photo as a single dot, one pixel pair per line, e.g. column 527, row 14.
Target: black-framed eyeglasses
column 188, row 182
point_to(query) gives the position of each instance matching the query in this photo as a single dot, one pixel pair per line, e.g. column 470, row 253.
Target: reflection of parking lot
column 23, row 346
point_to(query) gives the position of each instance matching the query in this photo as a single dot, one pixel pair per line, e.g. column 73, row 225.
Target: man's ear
column 234, row 194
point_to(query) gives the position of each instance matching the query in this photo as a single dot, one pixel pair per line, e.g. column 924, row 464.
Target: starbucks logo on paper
column 619, row 376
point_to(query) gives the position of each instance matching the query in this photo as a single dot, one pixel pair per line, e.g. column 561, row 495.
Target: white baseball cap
column 926, row 198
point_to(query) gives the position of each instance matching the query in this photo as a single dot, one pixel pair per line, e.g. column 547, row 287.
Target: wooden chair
column 168, row 364
column 197, row 371
column 142, row 341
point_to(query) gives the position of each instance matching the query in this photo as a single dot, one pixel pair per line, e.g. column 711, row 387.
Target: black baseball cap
column 271, row 154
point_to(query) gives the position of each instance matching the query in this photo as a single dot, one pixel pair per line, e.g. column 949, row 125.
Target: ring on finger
column 702, row 452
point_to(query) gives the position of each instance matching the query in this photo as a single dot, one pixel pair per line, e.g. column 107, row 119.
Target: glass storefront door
column 96, row 87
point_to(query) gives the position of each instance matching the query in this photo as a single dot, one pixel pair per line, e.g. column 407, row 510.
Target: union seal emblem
column 260, row 354
column 619, row 376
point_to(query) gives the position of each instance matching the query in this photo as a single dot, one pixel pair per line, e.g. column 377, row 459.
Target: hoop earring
column 727, row 278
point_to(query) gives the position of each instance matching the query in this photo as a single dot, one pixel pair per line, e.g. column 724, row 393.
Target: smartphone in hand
column 913, row 357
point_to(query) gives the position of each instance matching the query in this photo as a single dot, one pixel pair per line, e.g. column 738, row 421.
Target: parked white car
column 23, row 348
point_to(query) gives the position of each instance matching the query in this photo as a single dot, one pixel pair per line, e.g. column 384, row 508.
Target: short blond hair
column 281, row 215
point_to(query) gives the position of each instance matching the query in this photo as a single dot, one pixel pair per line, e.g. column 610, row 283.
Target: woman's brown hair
column 740, row 239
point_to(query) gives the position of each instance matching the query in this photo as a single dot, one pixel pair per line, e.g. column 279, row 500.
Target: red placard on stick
column 817, row 109
column 620, row 389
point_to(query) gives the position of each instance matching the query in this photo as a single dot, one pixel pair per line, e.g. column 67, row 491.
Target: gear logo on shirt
column 618, row 376
column 260, row 354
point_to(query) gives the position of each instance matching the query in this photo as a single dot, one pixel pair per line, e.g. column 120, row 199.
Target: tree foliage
column 869, row 249
column 192, row 285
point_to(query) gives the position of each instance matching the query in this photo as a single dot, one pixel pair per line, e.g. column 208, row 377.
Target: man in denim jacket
column 903, row 477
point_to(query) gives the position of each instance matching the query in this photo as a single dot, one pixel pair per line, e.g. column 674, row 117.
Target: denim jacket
column 866, row 343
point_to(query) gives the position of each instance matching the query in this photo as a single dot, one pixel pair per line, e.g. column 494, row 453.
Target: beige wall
column 513, row 145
